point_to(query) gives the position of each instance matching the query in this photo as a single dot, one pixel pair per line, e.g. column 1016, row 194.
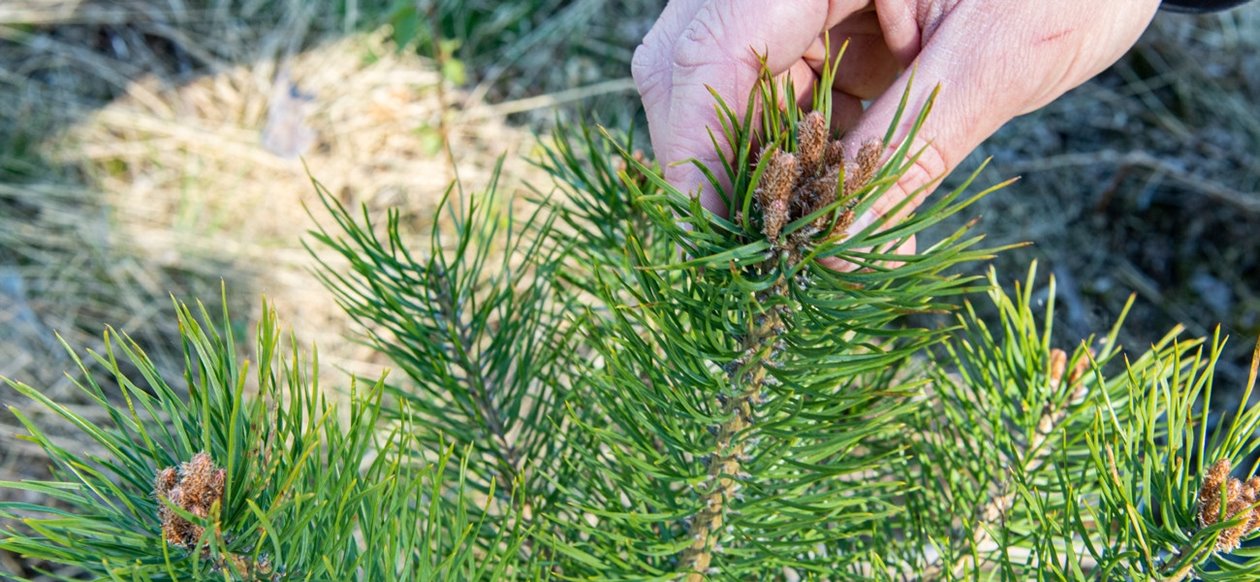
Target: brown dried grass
column 194, row 187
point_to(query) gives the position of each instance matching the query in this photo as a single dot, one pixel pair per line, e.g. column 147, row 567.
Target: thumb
column 972, row 101
column 991, row 61
column 721, row 49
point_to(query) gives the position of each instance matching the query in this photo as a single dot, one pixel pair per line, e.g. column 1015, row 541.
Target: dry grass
column 196, row 187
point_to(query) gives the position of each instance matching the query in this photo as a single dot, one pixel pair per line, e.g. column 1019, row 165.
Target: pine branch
column 485, row 333
column 1034, row 454
column 217, row 485
column 725, row 465
column 1101, row 483
column 1186, row 566
column 632, row 387
column 478, row 325
column 754, row 390
column 460, row 350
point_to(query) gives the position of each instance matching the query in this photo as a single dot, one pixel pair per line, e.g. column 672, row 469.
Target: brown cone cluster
column 196, row 487
column 795, row 185
column 1238, row 498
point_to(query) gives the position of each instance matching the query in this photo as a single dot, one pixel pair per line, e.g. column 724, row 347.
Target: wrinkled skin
column 992, row 59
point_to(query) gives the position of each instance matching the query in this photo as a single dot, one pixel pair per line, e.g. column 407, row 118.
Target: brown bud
column 1251, row 487
column 811, row 142
column 773, row 193
column 195, row 488
column 843, row 224
column 834, row 155
column 166, row 480
column 1239, row 498
column 773, row 217
column 1210, row 492
column 1229, row 539
column 864, row 166
column 1252, row 490
column 1058, row 363
column 825, row 193
column 779, row 177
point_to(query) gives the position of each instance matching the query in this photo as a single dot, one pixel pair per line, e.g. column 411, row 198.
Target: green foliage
column 638, row 388
column 482, row 334
column 312, row 490
column 1032, row 472
column 741, row 358
column 492, row 34
column 587, row 173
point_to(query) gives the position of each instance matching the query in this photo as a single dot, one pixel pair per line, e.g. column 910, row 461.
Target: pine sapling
column 616, row 383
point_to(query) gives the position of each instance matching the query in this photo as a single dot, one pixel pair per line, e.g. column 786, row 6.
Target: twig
column 994, row 512
column 507, row 455
column 726, row 463
column 548, row 100
column 444, row 129
column 1183, row 558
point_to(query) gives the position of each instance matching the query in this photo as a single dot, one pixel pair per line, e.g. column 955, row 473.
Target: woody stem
column 726, row 462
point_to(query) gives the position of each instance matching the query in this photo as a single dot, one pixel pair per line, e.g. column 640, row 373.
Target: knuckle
column 649, row 71
column 644, row 65
column 698, row 45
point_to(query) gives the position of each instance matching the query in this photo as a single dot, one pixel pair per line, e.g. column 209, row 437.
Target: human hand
column 993, row 60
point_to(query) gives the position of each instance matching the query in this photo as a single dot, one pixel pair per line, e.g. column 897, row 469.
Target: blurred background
column 154, row 148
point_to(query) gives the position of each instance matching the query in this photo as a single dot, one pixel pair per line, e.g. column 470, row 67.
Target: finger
column 899, row 25
column 867, row 67
column 964, row 113
column 650, row 66
column 846, row 109
column 721, row 49
column 967, row 53
column 908, row 247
